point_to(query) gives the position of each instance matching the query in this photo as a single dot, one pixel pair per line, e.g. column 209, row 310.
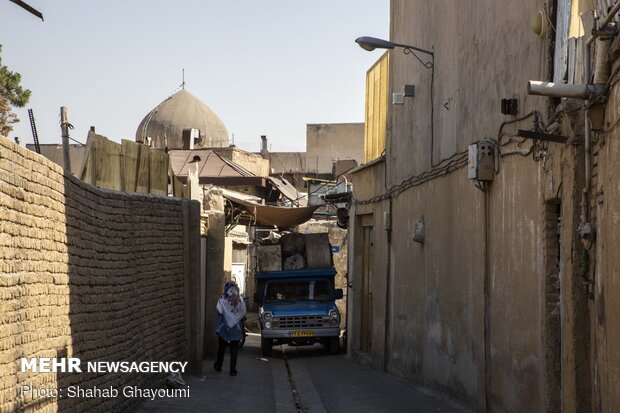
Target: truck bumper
column 288, row 334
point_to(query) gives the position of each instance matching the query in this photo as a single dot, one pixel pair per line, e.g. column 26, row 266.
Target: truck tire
column 265, row 347
column 334, row 345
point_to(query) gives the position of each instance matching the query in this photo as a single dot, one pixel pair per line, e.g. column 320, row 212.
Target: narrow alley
column 399, row 205
column 300, row 379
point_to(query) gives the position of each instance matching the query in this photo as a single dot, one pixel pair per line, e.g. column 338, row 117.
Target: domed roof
column 181, row 111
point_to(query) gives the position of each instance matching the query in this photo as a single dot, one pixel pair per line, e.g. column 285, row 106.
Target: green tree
column 11, row 94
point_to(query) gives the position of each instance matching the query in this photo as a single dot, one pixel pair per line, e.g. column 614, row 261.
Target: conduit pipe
column 563, row 90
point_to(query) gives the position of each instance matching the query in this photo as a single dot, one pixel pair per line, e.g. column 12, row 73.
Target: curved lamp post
column 371, row 43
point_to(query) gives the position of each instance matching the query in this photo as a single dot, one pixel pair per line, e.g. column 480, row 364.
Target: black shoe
column 217, row 367
column 233, row 372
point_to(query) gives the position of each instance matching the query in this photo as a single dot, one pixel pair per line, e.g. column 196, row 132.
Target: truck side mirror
column 338, row 294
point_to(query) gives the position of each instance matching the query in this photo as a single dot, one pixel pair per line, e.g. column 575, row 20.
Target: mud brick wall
column 86, row 273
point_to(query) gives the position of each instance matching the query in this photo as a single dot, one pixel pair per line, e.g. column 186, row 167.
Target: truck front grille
column 301, row 321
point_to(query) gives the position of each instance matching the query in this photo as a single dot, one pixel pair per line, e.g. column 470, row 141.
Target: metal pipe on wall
column 535, row 87
column 487, row 296
column 388, row 286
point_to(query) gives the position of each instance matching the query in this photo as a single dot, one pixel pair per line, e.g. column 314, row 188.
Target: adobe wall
column 87, row 273
column 605, row 260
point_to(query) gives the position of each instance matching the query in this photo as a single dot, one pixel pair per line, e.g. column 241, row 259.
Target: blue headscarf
column 230, row 288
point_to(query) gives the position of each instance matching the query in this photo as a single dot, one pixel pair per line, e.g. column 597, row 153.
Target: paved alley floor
column 319, row 381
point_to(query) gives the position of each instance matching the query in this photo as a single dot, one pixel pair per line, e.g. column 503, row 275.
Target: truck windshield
column 291, row 291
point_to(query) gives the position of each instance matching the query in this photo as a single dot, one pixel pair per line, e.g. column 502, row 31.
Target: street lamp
column 371, row 43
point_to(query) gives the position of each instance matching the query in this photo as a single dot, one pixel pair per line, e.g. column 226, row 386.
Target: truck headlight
column 267, row 319
column 334, row 318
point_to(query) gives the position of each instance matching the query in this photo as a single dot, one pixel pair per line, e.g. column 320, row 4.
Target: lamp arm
column 429, row 65
column 417, row 49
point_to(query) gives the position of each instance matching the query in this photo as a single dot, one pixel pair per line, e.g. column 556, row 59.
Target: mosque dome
column 166, row 122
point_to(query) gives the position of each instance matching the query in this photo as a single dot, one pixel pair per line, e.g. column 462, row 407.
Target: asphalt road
column 300, row 379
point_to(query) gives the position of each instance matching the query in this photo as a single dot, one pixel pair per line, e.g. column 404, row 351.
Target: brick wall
column 86, row 273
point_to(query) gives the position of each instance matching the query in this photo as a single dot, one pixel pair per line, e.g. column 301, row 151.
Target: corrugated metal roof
column 287, row 190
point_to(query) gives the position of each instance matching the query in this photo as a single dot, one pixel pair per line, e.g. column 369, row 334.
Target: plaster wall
column 437, row 309
column 329, row 142
column 436, row 290
column 484, row 51
column 369, row 180
column 283, row 162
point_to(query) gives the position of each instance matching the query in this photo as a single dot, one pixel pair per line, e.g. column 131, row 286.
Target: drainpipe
column 487, row 297
column 386, row 342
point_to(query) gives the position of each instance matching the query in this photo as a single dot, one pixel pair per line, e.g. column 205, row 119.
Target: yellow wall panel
column 376, row 108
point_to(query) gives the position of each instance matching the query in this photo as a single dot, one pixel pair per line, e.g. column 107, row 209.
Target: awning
column 278, row 216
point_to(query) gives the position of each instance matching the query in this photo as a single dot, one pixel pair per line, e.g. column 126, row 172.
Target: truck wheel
column 265, row 347
column 334, row 345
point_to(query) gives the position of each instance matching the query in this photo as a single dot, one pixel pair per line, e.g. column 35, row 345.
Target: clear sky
column 265, row 67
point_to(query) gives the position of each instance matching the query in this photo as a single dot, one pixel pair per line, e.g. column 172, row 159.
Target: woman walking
column 230, row 311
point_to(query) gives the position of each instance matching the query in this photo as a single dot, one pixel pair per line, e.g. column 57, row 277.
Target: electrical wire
column 442, row 169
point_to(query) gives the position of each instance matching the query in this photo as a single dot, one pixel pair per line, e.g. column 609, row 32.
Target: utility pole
column 64, row 126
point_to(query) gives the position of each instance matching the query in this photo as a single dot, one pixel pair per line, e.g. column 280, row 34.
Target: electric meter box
column 481, row 161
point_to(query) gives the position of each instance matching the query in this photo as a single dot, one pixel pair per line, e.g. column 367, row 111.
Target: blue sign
column 335, row 249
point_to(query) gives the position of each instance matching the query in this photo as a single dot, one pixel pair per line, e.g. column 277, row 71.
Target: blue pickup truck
column 297, row 307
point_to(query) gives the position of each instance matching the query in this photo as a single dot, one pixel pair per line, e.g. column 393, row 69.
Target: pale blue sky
column 265, row 67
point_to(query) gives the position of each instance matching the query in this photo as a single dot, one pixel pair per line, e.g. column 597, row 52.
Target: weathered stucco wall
column 369, row 180
column 504, row 305
column 442, row 328
column 328, row 142
column 484, row 51
column 282, row 162
column 86, row 273
column 437, row 308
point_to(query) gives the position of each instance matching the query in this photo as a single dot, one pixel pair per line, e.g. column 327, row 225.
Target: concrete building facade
column 484, row 290
column 326, row 143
